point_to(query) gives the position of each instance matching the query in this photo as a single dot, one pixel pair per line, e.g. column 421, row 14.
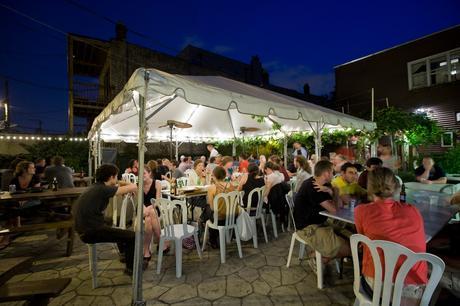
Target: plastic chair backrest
column 396, row 194
column 389, row 292
column 182, row 181
column 165, row 185
column 129, row 177
column 290, row 202
column 167, row 208
column 231, row 204
column 259, row 203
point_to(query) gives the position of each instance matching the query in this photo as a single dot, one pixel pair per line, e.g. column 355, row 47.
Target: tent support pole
column 234, row 147
column 318, row 139
column 90, row 168
column 137, row 298
column 285, row 139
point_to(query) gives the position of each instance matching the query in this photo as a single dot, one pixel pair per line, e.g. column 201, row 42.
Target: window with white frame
column 434, row 70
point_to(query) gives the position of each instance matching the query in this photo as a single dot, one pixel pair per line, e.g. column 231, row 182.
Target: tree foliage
column 412, row 128
column 75, row 153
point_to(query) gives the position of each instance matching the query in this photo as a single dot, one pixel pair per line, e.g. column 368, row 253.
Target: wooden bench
column 67, row 224
column 34, row 292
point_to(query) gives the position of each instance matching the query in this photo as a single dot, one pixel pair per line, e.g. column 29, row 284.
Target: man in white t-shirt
column 212, row 150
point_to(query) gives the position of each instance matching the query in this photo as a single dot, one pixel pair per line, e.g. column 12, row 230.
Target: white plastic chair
column 182, row 181
column 176, row 232
column 129, row 177
column 296, row 237
column 92, row 248
column 387, row 292
column 231, row 204
column 258, row 215
column 290, row 201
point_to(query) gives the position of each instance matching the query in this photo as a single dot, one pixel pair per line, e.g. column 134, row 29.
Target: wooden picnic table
column 68, row 195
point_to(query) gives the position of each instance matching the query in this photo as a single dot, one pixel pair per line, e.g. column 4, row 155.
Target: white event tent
column 216, row 107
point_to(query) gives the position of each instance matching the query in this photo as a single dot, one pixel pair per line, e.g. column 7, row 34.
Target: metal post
column 285, row 150
column 318, row 139
column 138, row 250
column 372, row 101
column 177, row 149
column 234, row 147
column 90, row 168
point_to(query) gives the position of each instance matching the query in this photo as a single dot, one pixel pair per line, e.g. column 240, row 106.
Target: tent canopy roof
column 216, row 107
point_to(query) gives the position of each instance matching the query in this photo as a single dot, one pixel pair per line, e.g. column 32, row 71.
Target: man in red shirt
column 386, row 219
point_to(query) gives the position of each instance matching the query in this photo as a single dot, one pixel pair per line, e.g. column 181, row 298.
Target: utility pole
column 6, row 105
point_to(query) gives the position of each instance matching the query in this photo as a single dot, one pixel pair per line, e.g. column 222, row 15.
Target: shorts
column 322, row 239
column 411, row 294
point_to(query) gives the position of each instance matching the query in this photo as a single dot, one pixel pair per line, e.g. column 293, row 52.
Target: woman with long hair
column 152, row 190
column 303, row 171
column 250, row 181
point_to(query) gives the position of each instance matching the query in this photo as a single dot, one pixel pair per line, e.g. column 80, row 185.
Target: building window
column 438, row 70
column 455, row 66
column 447, row 139
column 419, row 78
column 434, row 70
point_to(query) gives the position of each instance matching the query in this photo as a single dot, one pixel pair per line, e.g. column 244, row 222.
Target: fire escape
column 88, row 77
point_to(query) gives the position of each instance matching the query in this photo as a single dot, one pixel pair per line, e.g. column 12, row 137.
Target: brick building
column 98, row 70
column 422, row 75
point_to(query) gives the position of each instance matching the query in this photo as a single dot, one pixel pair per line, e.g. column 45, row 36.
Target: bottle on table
column 54, row 184
column 172, row 190
column 402, row 195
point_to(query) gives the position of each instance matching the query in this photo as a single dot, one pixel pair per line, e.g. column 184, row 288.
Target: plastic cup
column 434, row 199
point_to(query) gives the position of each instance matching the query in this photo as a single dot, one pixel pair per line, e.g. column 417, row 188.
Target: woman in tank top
column 152, row 190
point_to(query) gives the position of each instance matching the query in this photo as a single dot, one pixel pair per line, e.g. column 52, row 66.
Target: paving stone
column 255, row 261
column 81, row 300
column 69, row 272
column 231, row 266
column 275, row 251
column 151, row 293
column 122, row 295
column 194, row 302
column 256, row 300
column 192, row 277
column 292, row 275
column 74, row 283
column 261, row 287
column 249, row 274
column 271, row 275
column 48, row 274
column 227, row 301
column 102, row 301
column 336, row 296
column 237, row 287
column 63, row 298
column 276, row 261
column 285, row 295
column 170, row 280
column 105, row 287
column 212, row 288
column 122, row 279
column 179, row 293
column 156, row 303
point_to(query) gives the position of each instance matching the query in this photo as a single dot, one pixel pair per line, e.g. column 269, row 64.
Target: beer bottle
column 402, row 195
column 173, row 189
column 55, row 184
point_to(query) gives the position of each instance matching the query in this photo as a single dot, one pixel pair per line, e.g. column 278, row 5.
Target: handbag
column 244, row 225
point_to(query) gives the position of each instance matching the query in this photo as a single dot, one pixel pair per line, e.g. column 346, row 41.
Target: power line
column 109, row 20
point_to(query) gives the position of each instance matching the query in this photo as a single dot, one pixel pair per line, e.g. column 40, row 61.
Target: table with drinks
column 435, row 215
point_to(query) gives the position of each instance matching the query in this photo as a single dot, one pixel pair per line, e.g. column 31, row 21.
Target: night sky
column 297, row 41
